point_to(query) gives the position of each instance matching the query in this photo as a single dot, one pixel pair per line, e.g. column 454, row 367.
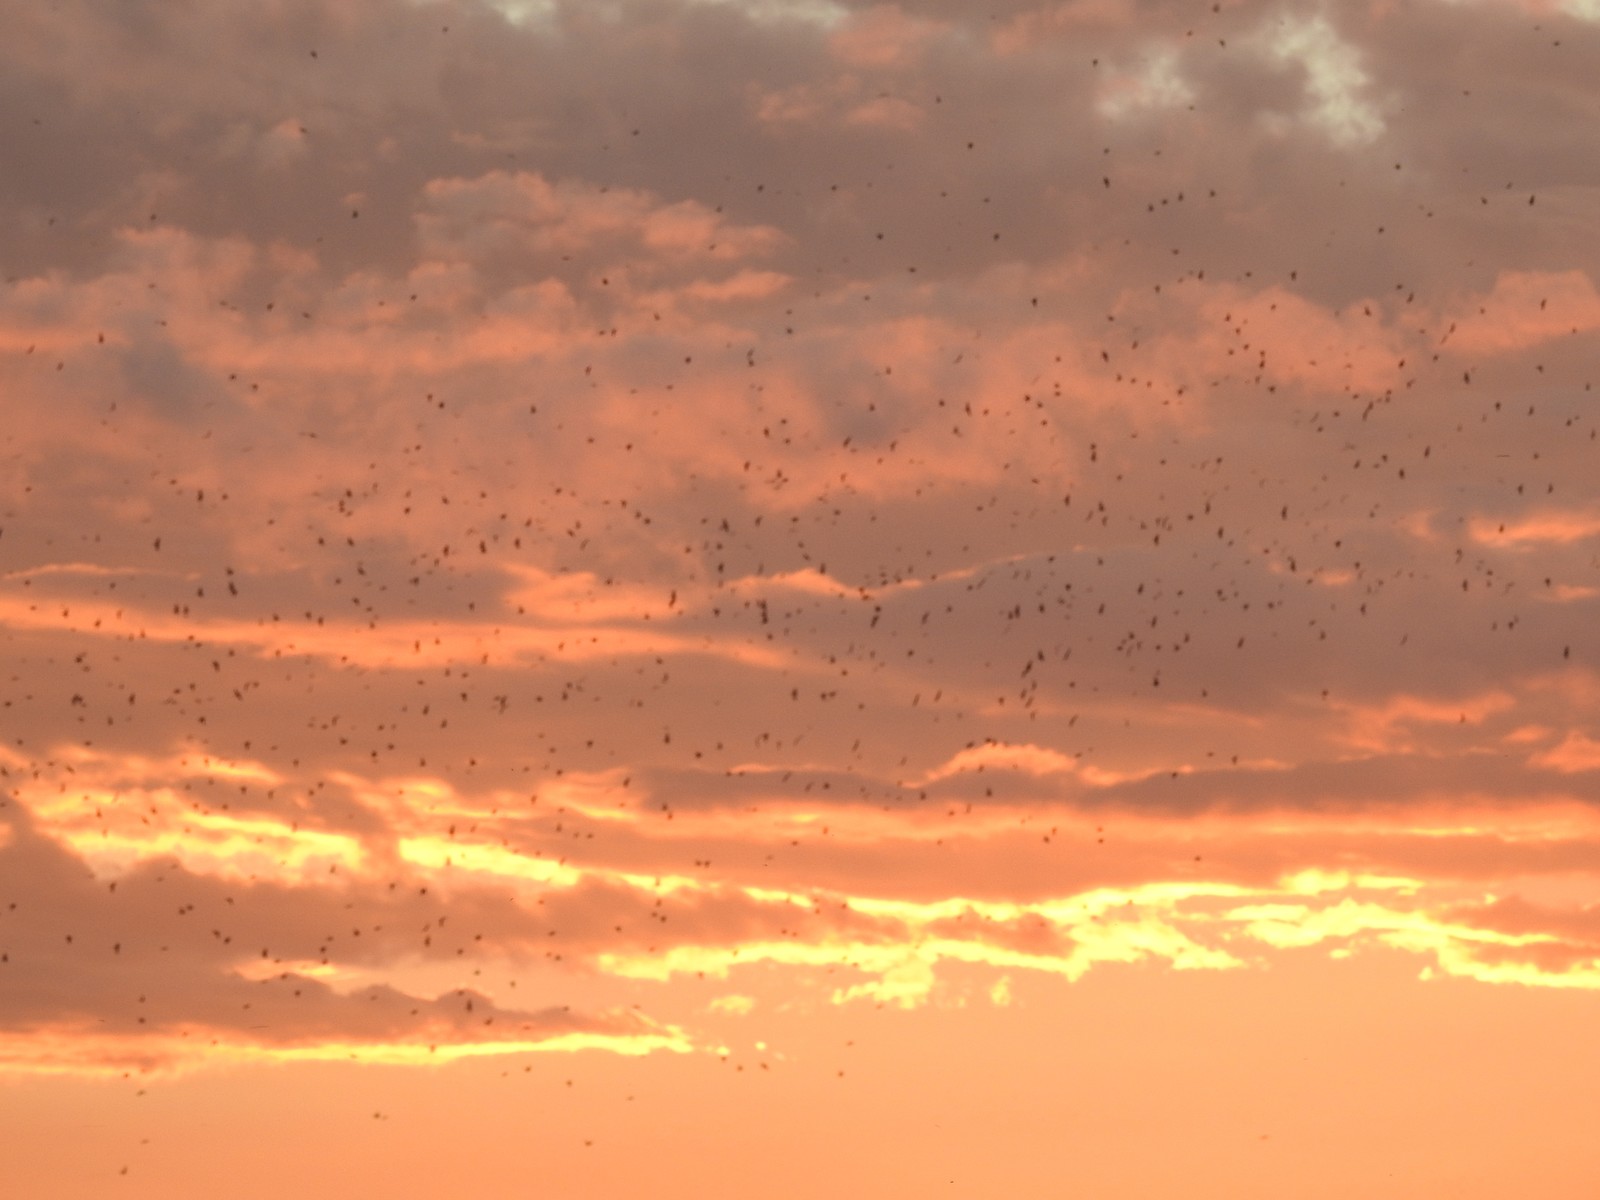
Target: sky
column 722, row 598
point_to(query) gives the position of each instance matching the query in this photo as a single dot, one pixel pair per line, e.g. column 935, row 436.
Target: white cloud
column 1156, row 84
column 1336, row 82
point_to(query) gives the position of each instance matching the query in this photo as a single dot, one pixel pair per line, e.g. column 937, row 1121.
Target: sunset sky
column 706, row 599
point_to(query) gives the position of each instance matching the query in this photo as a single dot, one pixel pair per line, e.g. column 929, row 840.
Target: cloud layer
column 614, row 495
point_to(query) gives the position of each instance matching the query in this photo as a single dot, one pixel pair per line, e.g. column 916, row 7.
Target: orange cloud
column 1388, row 727
column 404, row 644
column 1534, row 529
column 1031, row 760
column 1576, row 752
column 1524, row 309
column 883, row 37
column 501, row 210
column 79, row 1052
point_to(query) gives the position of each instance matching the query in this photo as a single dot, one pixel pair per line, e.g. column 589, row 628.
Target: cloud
column 1575, row 752
column 873, row 491
column 1558, row 527
column 1334, row 77
column 99, row 977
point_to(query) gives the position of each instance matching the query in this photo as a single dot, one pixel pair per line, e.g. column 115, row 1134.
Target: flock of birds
column 914, row 496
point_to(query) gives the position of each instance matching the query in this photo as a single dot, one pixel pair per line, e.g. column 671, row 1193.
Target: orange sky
column 711, row 598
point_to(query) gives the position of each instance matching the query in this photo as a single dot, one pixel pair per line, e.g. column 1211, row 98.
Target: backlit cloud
column 622, row 527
